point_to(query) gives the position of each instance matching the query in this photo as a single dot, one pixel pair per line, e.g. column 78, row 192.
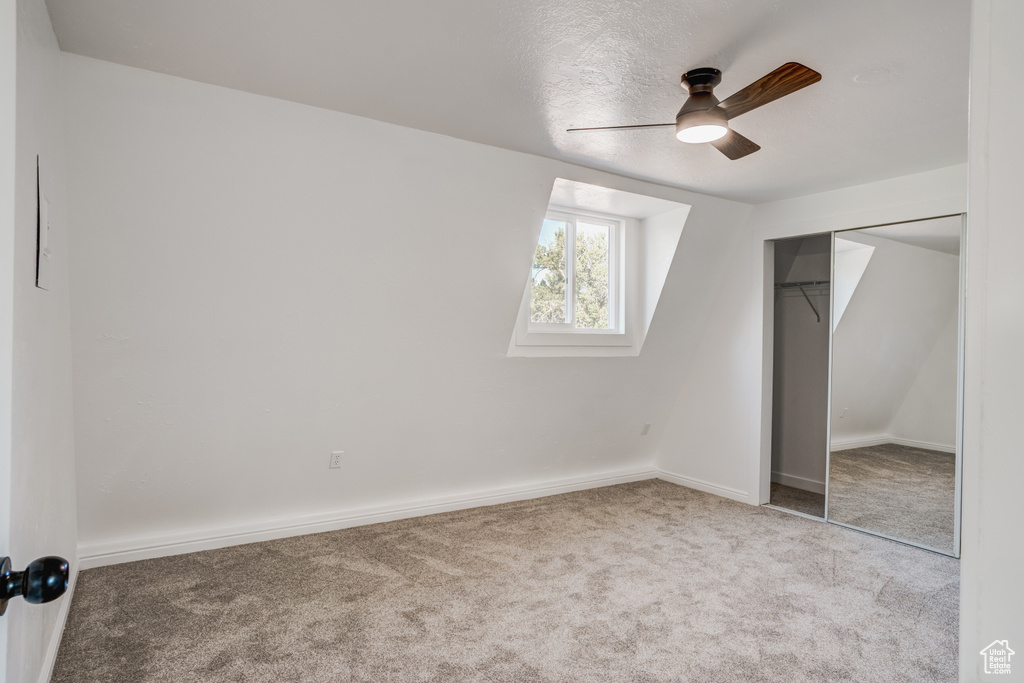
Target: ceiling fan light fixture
column 701, row 126
column 701, row 133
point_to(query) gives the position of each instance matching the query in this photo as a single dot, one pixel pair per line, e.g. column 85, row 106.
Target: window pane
column 592, row 286
column 548, row 300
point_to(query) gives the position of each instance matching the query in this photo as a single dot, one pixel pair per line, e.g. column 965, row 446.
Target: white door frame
column 8, row 136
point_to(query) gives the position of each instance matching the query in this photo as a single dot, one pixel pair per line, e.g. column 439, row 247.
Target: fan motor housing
column 700, row 83
column 701, row 80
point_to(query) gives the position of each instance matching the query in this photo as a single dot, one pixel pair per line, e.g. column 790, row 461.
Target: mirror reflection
column 895, row 340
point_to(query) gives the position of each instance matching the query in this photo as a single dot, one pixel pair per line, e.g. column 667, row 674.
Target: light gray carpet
column 791, row 498
column 899, row 491
column 639, row 582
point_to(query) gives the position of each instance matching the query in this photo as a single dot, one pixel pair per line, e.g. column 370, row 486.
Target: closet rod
column 800, row 286
column 805, row 283
column 816, row 314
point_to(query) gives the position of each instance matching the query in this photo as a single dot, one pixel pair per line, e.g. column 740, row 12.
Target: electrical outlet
column 646, row 428
column 336, row 459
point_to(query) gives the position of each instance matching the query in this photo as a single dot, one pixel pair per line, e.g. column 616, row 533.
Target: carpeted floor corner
column 638, row 582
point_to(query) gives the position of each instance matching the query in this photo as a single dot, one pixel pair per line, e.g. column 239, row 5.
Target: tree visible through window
column 592, row 282
column 572, row 283
column 548, row 300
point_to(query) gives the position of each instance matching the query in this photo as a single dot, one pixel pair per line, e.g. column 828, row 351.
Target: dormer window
column 598, row 267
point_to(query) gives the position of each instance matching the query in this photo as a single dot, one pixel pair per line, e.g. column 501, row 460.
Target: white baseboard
column 130, row 550
column 802, row 483
column 887, row 438
column 942, row 448
column 862, row 442
column 706, row 487
column 50, row 658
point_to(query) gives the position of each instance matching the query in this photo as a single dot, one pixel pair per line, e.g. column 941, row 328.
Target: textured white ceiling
column 516, row 74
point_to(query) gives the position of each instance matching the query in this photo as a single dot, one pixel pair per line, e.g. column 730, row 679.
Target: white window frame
column 614, row 226
column 529, row 333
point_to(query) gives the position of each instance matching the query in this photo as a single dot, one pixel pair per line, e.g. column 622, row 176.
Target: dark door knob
column 43, row 580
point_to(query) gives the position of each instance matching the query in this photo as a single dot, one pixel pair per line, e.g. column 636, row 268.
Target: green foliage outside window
column 591, row 278
column 547, row 300
column 548, row 295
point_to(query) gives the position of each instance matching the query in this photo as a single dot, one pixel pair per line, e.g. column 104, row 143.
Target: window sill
column 555, row 345
column 572, row 352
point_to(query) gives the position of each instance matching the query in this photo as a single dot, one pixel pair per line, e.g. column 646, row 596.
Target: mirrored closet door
column 893, row 460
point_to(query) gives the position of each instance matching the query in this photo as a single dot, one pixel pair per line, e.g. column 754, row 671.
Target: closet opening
column 800, row 378
column 863, row 331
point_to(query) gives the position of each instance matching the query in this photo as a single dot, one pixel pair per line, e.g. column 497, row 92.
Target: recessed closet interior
column 800, row 374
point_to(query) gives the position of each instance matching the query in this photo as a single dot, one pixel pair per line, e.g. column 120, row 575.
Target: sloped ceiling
column 893, row 99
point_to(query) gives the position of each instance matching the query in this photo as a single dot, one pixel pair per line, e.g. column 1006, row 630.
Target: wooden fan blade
column 643, row 125
column 735, row 146
column 785, row 80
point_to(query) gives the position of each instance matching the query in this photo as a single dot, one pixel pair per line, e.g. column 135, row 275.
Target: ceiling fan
column 704, row 119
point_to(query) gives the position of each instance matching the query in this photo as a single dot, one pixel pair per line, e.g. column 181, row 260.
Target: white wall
column 719, row 430
column 991, row 592
column 906, row 297
column 661, row 235
column 258, row 283
column 42, row 464
column 702, row 434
